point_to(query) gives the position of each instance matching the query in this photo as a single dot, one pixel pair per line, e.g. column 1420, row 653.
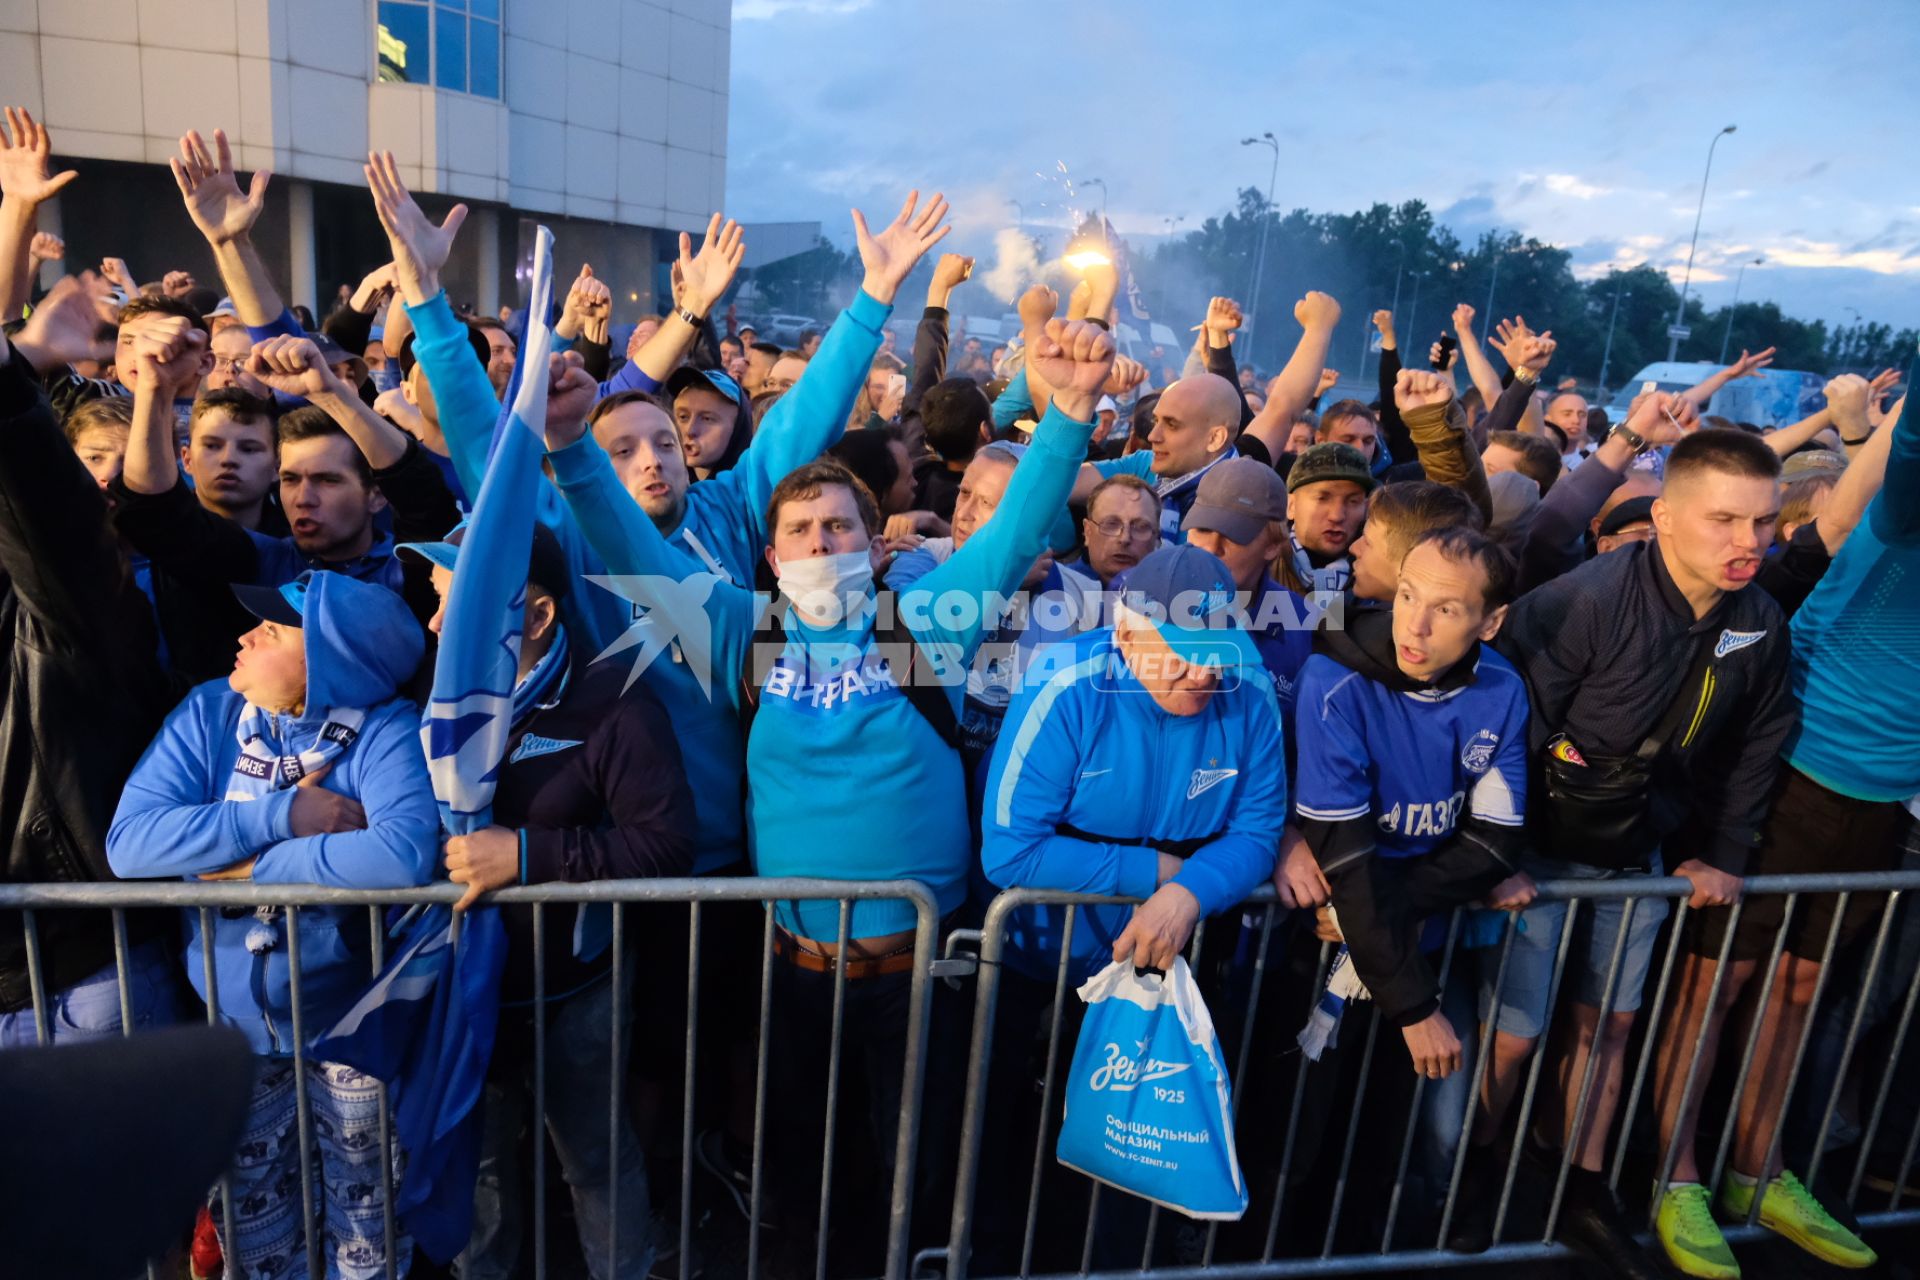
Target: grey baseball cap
column 1237, row 497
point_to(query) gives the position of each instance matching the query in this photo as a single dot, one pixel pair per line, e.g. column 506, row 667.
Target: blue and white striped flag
column 426, row 1025
column 470, row 716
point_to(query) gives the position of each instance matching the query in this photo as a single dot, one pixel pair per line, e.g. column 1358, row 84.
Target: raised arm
column 164, row 354
column 1896, row 516
column 56, row 546
column 930, row 343
column 1747, row 366
column 1298, row 383
column 24, row 183
column 1786, row 439
column 1437, row 427
column 211, row 190
column 467, row 406
column 1075, row 358
column 806, row 421
column 1223, row 317
column 1479, row 369
column 292, row 366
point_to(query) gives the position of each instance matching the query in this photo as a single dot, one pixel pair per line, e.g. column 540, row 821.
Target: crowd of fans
column 1047, row 616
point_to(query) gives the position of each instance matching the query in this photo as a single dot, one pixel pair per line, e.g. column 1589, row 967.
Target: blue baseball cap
column 1188, row 596
column 707, row 379
column 546, row 560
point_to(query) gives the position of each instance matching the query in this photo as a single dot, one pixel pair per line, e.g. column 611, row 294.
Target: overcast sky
column 1584, row 125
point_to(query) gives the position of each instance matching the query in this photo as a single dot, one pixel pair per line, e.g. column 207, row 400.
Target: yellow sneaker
column 1686, row 1230
column 1789, row 1209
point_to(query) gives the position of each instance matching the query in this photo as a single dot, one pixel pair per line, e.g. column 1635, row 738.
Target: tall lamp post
column 1606, row 355
column 1100, row 183
column 1413, row 308
column 1726, row 339
column 1266, row 220
column 1680, row 314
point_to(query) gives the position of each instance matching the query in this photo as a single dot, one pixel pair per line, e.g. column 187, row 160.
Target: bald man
column 1194, row 426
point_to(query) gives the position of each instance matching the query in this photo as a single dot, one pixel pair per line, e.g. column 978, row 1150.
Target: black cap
column 1330, row 460
column 285, row 605
column 1632, row 511
column 546, row 561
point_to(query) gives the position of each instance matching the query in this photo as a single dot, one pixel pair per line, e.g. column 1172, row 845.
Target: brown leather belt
column 788, row 948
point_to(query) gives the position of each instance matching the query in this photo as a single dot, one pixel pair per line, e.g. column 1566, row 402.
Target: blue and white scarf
column 1336, row 575
column 263, row 768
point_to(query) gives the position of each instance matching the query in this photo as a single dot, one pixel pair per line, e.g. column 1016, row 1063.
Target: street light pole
column 1486, row 319
column 1680, row 315
column 1413, row 308
column 1100, row 183
column 1726, row 339
column 1266, row 220
column 1606, row 355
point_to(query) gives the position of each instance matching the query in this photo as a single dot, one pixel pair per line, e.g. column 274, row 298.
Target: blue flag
column 426, row 1026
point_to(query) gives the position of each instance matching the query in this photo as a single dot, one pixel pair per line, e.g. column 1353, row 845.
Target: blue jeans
column 1528, row 987
column 580, row 1038
column 90, row 1008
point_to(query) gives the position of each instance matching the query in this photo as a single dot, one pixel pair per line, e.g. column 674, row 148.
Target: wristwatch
column 694, row 320
column 1525, row 373
column 1639, row 442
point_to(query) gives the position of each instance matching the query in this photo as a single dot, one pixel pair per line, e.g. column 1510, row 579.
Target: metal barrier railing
column 1200, row 1257
column 1346, row 1159
column 695, row 894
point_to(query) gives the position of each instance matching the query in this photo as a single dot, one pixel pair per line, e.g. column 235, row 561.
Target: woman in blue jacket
column 302, row 767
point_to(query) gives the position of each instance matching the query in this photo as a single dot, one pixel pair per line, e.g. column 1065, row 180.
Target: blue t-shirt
column 1414, row 760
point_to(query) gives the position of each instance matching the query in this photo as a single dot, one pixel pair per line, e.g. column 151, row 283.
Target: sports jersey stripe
column 1029, row 729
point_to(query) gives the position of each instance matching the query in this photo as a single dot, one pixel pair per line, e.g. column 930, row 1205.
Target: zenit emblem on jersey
column 1731, row 640
column 1477, row 755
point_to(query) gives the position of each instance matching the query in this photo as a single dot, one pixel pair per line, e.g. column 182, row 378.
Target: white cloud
column 1566, row 184
column 1815, row 253
column 762, row 10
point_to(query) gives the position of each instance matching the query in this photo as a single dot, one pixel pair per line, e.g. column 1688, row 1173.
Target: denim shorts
column 1528, row 984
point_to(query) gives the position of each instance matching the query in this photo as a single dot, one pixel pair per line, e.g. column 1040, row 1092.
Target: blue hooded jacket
column 174, row 820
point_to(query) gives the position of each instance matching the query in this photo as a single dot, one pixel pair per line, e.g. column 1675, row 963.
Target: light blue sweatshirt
column 1856, row 646
column 722, row 532
column 174, row 818
column 1088, row 748
column 847, row 780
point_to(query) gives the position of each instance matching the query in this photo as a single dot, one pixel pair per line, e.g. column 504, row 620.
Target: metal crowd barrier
column 31, row 899
column 1394, row 1254
column 1264, row 921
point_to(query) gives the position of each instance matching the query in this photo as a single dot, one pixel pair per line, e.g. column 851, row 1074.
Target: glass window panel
column 450, row 50
column 402, row 39
column 486, row 9
column 486, row 58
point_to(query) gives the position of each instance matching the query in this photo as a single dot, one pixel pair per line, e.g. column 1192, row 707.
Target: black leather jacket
column 81, row 694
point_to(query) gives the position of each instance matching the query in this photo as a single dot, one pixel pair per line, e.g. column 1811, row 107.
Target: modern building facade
column 604, row 119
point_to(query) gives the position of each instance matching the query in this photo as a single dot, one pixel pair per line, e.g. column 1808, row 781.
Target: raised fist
column 1420, row 389
column 1074, row 357
column 1317, row 311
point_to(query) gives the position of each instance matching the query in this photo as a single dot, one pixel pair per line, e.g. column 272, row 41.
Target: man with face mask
column 836, row 708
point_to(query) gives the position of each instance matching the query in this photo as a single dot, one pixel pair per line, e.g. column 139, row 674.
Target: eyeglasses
column 1114, row 527
column 230, row 363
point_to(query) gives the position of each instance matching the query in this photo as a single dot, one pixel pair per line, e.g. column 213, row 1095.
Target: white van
column 1774, row 398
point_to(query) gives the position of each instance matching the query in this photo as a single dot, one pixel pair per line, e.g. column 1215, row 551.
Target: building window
column 451, row 44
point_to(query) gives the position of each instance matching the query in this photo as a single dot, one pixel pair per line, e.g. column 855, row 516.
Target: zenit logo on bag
column 1123, row 1074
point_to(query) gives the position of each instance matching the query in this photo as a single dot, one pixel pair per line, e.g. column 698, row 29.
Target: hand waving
column 420, row 249
column 211, row 188
column 65, row 326
column 891, row 255
column 1749, row 366
column 24, row 148
column 704, row 276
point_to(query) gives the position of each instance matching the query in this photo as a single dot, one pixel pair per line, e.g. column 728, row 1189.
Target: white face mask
column 820, row 586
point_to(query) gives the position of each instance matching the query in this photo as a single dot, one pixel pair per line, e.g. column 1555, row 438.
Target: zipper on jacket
column 260, row 998
column 1707, row 683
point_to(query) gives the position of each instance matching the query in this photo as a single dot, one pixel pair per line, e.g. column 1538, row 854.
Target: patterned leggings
column 348, row 1216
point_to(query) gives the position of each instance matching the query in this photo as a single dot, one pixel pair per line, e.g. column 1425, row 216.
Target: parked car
column 1774, row 398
